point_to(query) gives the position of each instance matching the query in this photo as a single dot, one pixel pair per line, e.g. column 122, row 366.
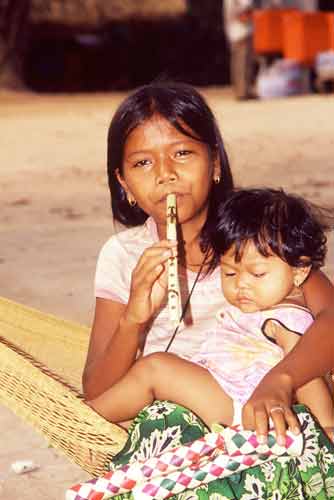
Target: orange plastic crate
column 305, row 34
column 330, row 21
column 268, row 30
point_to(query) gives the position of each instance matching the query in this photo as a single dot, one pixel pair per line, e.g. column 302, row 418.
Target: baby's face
column 256, row 282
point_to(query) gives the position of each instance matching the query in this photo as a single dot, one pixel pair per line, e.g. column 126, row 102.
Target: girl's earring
column 216, row 179
column 132, row 202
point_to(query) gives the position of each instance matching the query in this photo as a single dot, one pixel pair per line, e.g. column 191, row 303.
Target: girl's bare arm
column 318, row 342
column 314, row 394
column 278, row 387
column 117, row 328
column 113, row 347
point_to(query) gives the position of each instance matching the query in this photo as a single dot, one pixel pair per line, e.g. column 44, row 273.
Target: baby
column 267, row 243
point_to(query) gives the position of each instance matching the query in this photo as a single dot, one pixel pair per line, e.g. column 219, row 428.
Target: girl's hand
column 149, row 282
column 272, row 399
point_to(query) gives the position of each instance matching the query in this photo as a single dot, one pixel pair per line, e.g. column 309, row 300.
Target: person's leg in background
column 242, row 68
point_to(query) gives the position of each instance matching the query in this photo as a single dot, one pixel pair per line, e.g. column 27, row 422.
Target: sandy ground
column 55, row 214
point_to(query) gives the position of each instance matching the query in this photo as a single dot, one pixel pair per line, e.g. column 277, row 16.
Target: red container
column 305, row 34
column 330, row 21
column 268, row 30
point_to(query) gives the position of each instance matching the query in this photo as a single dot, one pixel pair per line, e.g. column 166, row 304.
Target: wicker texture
column 41, row 362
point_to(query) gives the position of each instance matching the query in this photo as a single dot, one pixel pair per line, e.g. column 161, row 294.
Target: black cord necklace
column 185, row 307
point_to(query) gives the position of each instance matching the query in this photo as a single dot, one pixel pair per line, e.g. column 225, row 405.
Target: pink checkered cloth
column 216, row 455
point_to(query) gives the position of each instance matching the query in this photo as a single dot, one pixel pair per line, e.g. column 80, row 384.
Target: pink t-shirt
column 116, row 261
column 237, row 352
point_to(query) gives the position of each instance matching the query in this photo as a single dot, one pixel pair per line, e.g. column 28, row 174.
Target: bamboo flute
column 174, row 302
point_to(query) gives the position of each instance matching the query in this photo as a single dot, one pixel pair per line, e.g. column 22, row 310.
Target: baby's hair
column 184, row 108
column 277, row 223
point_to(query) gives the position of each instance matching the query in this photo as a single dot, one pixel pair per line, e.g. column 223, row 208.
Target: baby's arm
column 315, row 394
column 165, row 376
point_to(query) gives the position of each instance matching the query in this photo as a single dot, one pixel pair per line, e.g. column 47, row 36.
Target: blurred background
column 99, row 45
column 94, row 45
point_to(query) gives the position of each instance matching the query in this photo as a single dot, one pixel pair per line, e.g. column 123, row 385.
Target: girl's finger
column 261, row 424
column 282, row 418
column 292, row 421
column 146, row 265
column 277, row 416
column 157, row 248
column 145, row 268
column 156, row 273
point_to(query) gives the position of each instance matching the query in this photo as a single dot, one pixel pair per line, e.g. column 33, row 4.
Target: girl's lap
column 164, row 426
column 157, row 429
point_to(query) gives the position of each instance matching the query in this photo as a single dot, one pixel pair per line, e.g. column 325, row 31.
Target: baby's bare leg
column 165, row 376
column 316, row 396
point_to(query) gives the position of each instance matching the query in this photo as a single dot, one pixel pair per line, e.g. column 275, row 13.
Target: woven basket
column 41, row 362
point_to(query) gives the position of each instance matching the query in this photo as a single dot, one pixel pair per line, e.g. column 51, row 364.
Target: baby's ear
column 300, row 274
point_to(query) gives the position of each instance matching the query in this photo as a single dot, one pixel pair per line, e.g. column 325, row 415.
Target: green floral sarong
column 164, row 425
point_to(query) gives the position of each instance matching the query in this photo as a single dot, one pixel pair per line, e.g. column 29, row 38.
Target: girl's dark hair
column 277, row 223
column 183, row 107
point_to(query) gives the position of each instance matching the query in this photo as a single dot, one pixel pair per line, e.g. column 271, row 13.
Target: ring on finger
column 276, row 408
